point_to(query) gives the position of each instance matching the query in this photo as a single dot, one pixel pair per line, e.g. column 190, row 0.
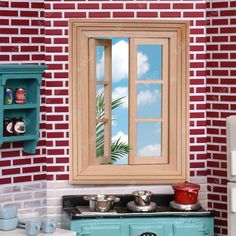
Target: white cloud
column 150, row 150
column 147, row 97
column 123, row 137
column 119, row 92
column 142, row 64
column 120, row 62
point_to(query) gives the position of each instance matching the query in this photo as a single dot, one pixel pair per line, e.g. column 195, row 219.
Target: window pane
column 100, row 140
column 149, row 62
column 100, row 106
column 100, row 63
column 149, row 139
column 120, row 106
column 149, row 100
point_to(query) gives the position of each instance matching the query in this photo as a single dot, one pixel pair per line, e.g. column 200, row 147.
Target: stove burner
column 135, row 208
column 183, row 207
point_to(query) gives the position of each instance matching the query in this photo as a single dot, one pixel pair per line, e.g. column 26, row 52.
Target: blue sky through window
column 148, row 95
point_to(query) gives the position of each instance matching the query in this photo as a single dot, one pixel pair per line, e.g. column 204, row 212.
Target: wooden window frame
column 83, row 170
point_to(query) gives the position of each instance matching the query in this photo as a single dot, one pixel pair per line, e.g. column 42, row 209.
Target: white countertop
column 21, row 232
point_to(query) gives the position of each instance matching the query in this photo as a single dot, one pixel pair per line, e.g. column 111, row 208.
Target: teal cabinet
column 140, row 226
column 29, row 78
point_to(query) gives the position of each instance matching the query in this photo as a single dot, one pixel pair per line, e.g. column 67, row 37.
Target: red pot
column 186, row 193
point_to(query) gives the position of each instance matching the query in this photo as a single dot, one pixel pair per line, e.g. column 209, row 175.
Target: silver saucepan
column 142, row 197
column 101, row 203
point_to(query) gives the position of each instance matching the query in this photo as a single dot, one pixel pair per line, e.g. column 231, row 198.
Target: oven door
column 231, row 209
column 184, row 229
column 147, row 230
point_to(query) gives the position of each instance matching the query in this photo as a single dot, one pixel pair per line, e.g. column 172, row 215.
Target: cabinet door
column 190, row 229
column 147, row 230
column 100, row 230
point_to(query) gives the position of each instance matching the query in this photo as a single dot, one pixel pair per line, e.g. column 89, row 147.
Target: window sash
column 133, row 158
column 106, row 121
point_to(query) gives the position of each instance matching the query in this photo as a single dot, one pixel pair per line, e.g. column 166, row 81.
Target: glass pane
column 100, row 63
column 149, row 62
column 149, row 100
column 100, row 106
column 149, row 139
column 100, row 140
column 120, row 55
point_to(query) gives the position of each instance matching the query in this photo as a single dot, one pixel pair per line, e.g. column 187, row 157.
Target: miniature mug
column 32, row 227
column 48, row 225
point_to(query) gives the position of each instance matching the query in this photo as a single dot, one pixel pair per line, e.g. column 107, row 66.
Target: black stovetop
column 74, row 206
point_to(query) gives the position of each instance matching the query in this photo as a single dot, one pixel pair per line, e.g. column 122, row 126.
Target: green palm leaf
column 118, row 148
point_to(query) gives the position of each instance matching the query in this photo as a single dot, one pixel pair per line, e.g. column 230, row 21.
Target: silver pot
column 142, row 197
column 101, row 203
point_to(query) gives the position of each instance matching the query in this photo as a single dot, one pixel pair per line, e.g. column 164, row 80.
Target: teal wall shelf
column 28, row 77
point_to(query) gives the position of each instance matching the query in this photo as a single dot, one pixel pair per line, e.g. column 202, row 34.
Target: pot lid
column 186, row 186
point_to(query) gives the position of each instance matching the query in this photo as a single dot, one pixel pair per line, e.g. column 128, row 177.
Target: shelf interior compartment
column 30, row 85
column 30, row 118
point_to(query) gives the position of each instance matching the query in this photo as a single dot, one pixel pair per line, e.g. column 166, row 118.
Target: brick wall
column 221, row 101
column 25, row 31
column 22, row 41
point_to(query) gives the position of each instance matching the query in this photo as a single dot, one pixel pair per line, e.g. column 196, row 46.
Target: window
column 128, row 102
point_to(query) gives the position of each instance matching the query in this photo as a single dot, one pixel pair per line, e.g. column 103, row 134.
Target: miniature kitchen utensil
column 142, row 197
column 9, row 212
column 48, row 225
column 186, row 193
column 32, row 227
column 101, row 203
column 8, row 224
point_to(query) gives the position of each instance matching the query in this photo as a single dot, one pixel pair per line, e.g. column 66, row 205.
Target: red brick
column 229, row 30
column 5, row 180
column 20, row 4
column 13, row 171
column 123, row 14
column 227, row 13
column 219, row 4
column 9, row 13
column 29, row 48
column 39, row 177
column 29, row 13
column 29, row 31
column 200, row 5
column 62, row 177
column 57, row 14
column 5, row 163
column 159, row 6
column 194, row 14
column 88, row 6
column 75, row 15
column 4, row 57
column 183, row 6
column 220, row 21
column 56, row 152
column 53, row 32
column 20, row 57
column 64, row 6
column 146, row 14
column 22, row 162
column 136, row 6
column 170, row 14
column 31, row 169
column 60, row 23
column 37, row 5
column 4, row 22
column 22, row 179
column 4, row 40
column 55, row 168
column 112, row 6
